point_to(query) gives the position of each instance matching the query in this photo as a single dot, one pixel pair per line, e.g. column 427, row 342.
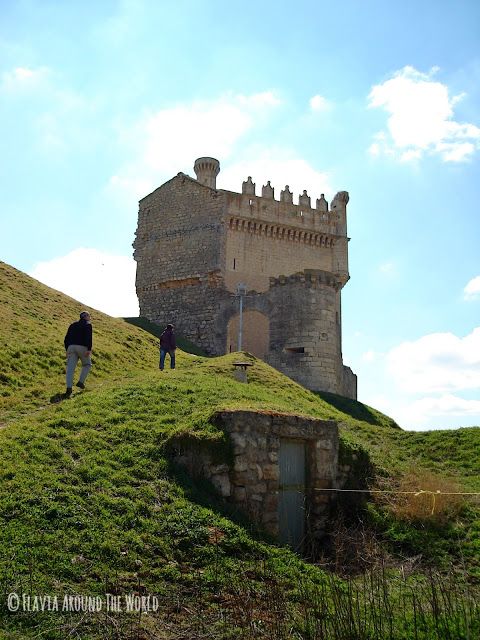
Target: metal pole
column 240, row 324
column 241, row 292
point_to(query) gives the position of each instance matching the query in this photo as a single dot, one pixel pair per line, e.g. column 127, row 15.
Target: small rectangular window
column 295, row 349
column 234, row 264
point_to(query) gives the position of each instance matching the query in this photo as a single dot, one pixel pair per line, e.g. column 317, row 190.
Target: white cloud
column 59, row 116
column 438, row 362
column 472, row 289
column 280, row 166
column 437, row 412
column 421, row 119
column 169, row 140
column 23, row 78
column 369, row 356
column 319, row 103
column 411, row 154
column 100, row 280
column 387, row 268
column 455, row 151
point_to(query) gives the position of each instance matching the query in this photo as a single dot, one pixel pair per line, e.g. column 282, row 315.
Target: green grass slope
column 156, row 330
column 34, row 319
column 90, row 502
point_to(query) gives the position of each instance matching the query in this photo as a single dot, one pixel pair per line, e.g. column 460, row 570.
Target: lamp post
column 241, row 293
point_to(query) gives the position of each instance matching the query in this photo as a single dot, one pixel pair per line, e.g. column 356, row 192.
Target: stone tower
column 207, row 170
column 195, row 244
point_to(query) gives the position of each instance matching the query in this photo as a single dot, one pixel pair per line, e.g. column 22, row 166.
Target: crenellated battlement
column 265, row 208
column 304, row 200
column 273, row 211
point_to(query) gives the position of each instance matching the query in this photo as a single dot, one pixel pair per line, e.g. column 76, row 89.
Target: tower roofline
column 182, row 176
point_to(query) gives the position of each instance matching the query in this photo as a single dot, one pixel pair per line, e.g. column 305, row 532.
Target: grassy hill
column 90, row 502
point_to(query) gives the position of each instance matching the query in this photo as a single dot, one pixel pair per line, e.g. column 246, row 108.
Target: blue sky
column 101, row 102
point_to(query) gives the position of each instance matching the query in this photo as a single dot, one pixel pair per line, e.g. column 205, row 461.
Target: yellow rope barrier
column 420, row 492
column 413, row 493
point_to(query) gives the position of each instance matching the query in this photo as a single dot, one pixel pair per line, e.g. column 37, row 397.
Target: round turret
column 207, row 170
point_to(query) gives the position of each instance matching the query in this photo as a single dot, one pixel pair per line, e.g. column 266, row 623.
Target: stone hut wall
column 251, row 482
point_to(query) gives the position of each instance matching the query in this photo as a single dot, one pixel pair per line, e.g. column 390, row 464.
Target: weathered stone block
column 271, row 472
column 239, row 443
column 219, row 468
column 239, row 494
column 240, row 464
column 260, row 487
column 221, row 482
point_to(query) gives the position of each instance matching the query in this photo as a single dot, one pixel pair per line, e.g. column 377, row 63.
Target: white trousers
column 76, row 352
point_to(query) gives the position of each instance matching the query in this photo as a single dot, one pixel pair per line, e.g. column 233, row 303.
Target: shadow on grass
column 59, row 397
column 357, row 410
column 202, row 492
column 156, row 330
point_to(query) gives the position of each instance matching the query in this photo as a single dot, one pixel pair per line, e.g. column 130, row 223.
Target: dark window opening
column 295, row 349
column 234, row 264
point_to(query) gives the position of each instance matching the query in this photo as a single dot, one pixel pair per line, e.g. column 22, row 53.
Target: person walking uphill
column 78, row 343
column 168, row 345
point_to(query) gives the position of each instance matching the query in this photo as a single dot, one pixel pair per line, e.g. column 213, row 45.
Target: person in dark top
column 167, row 345
column 78, row 344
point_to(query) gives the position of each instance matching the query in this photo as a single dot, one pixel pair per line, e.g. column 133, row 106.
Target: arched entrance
column 255, row 334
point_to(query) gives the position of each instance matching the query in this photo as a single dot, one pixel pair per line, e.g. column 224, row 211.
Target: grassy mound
column 91, row 504
column 156, row 330
column 34, row 320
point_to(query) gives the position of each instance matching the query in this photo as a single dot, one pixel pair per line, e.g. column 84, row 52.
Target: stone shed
column 278, row 465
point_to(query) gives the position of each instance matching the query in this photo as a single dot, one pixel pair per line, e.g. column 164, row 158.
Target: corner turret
column 207, row 170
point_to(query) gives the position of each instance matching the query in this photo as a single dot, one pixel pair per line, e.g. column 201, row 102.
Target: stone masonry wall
column 179, row 248
column 305, row 338
column 349, row 383
column 192, row 306
column 180, row 235
column 252, row 481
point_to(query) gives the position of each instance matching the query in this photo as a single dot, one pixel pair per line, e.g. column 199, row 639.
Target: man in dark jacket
column 167, row 345
column 78, row 344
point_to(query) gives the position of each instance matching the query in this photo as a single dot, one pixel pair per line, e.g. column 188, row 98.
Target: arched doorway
column 255, row 334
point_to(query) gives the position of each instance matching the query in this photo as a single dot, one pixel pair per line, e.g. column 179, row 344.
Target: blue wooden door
column 291, row 503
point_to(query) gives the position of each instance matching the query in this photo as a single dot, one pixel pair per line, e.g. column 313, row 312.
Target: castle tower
column 207, row 170
column 195, row 244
